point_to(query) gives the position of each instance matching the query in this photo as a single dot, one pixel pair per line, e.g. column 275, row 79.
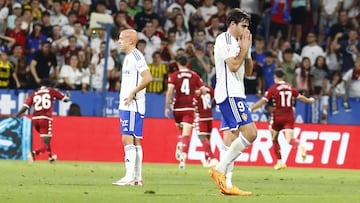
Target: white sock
column 223, row 150
column 138, row 162
column 130, row 159
column 235, row 149
column 228, row 175
column 229, row 170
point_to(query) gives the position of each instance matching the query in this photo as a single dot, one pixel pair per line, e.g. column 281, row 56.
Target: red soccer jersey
column 43, row 101
column 282, row 94
column 204, row 103
column 20, row 36
column 185, row 83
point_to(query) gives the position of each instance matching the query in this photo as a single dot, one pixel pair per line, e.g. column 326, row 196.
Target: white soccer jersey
column 228, row 84
column 134, row 64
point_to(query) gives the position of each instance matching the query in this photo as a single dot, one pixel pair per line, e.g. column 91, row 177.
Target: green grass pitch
column 67, row 182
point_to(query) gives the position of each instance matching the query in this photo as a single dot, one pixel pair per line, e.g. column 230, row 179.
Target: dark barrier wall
column 91, row 105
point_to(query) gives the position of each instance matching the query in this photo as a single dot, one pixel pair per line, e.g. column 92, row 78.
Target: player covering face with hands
column 232, row 62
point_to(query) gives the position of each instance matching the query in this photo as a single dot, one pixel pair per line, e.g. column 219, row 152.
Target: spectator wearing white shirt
column 97, row 68
column 182, row 33
column 72, row 76
column 312, row 50
column 153, row 42
column 187, row 10
column 16, row 12
column 205, row 12
column 82, row 40
column 352, row 79
column 27, row 22
column 57, row 18
column 214, row 29
column 4, row 12
column 97, row 40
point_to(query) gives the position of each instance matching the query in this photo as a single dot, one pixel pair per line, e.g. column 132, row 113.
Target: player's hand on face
column 312, row 100
column 245, row 40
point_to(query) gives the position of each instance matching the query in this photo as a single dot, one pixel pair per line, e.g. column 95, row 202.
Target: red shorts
column 204, row 127
column 43, row 126
column 184, row 117
column 280, row 122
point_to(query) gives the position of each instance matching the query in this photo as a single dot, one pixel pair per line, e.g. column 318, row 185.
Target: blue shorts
column 131, row 123
column 235, row 112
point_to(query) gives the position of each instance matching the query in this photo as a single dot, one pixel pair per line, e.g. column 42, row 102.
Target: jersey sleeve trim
column 136, row 55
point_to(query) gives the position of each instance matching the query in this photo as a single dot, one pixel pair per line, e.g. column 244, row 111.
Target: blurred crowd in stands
column 314, row 41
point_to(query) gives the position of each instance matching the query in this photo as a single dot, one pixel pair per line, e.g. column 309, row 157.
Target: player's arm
column 234, row 63
column 304, row 99
column 258, row 104
column 245, row 41
column 249, row 65
column 33, row 71
column 169, row 94
column 146, row 79
column 66, row 98
column 22, row 110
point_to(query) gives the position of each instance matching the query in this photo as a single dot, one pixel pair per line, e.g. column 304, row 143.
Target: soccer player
column 43, row 101
column 282, row 94
column 232, row 61
column 135, row 77
column 184, row 83
column 203, row 123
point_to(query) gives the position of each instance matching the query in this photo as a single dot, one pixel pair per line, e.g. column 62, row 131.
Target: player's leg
column 228, row 138
column 289, row 136
column 44, row 127
column 127, row 130
column 235, row 113
column 185, row 141
column 138, row 163
column 31, row 154
column 204, row 131
column 276, row 147
column 209, row 158
column 178, row 149
column 178, row 116
column 139, row 119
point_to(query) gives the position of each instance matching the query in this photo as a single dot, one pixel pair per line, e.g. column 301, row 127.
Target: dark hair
column 74, row 110
column 269, row 54
column 156, row 53
column 237, row 15
column 288, row 51
column 73, row 13
column 181, row 59
column 141, row 41
column 324, row 67
column 259, row 38
column 279, row 73
column 45, row 13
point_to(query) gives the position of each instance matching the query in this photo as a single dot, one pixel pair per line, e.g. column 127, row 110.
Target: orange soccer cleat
column 218, row 178
column 235, row 191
